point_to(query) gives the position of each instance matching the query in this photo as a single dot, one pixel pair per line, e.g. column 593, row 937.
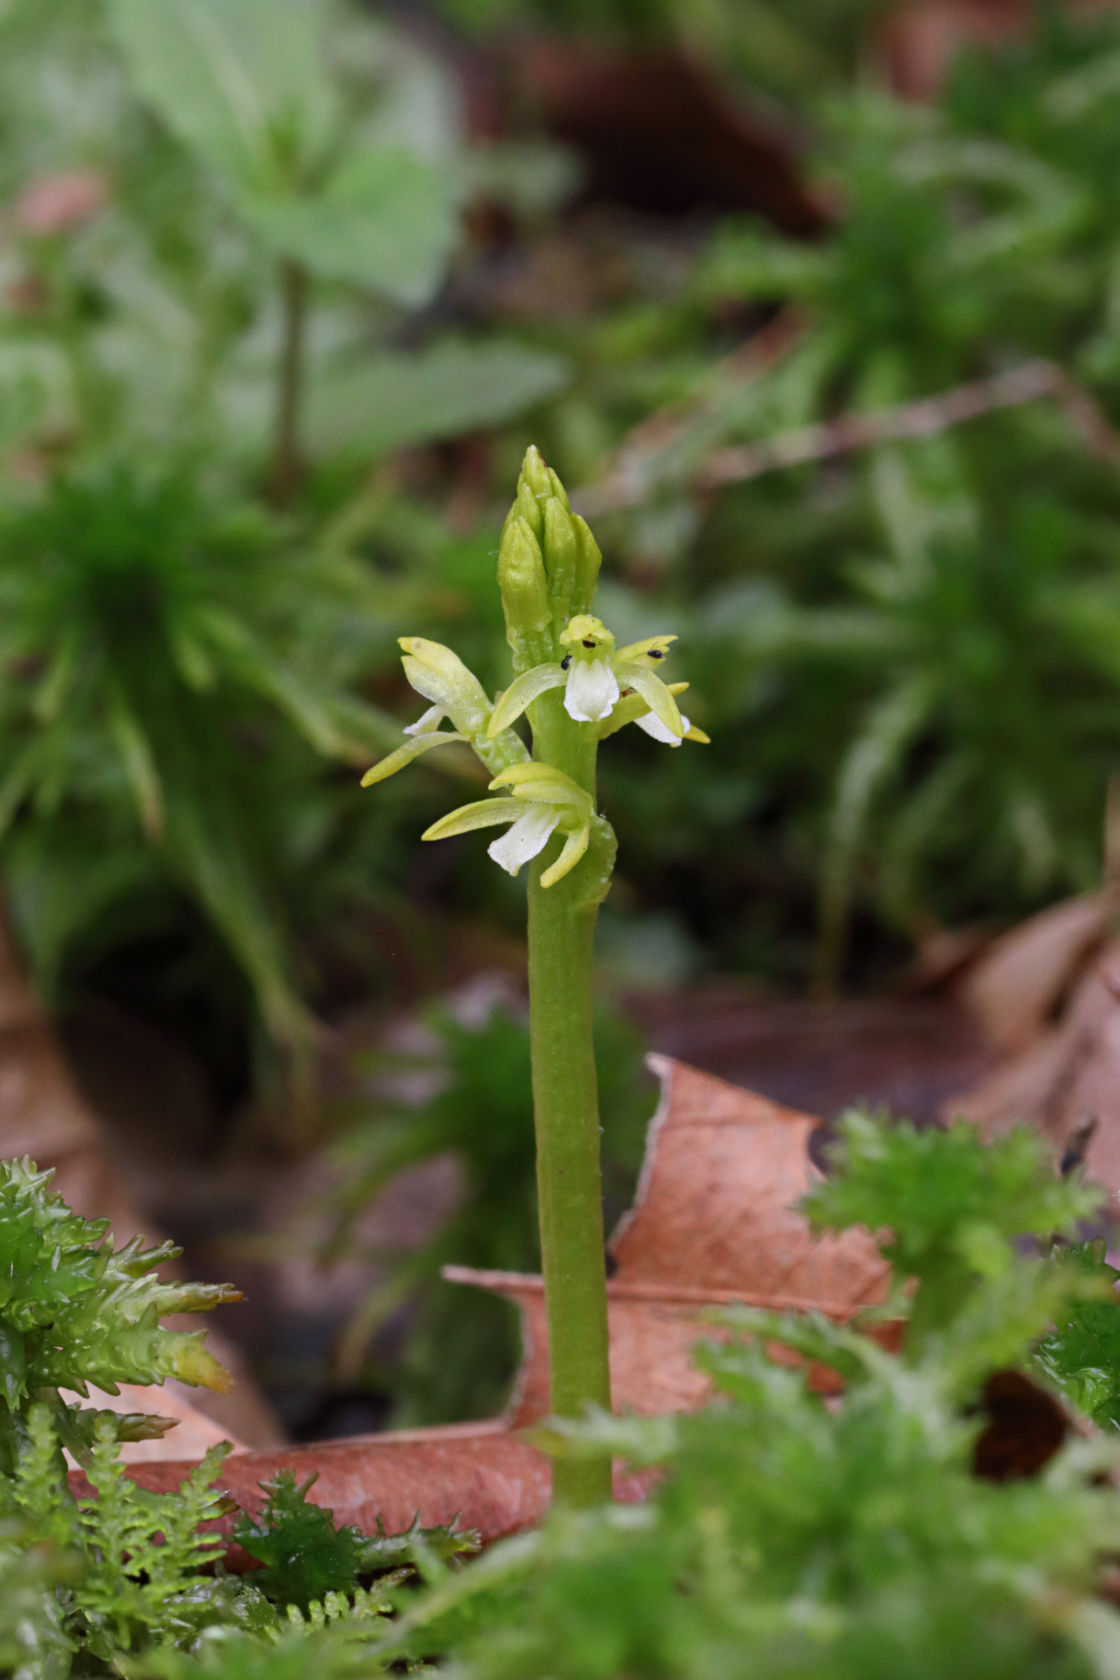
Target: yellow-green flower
column 596, row 679
column 439, row 675
column 541, row 802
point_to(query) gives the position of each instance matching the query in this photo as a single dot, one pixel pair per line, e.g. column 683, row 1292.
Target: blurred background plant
column 285, row 288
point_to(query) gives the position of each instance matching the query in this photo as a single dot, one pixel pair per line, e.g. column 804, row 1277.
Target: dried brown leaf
column 1068, row 1074
column 1017, row 987
column 715, row 1220
column 717, row 1205
column 192, row 1435
column 480, row 1473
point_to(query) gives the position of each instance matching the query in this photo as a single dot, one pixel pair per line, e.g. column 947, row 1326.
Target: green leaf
column 402, row 398
column 239, row 80
column 13, row 1365
column 385, row 220
column 303, row 1553
column 1082, row 1354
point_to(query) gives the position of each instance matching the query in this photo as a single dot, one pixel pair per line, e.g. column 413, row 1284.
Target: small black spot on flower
column 565, row 662
column 588, row 641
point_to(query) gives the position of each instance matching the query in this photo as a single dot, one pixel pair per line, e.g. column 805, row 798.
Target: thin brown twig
column 658, row 431
column 925, row 417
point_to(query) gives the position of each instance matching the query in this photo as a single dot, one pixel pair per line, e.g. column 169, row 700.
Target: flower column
column 576, row 689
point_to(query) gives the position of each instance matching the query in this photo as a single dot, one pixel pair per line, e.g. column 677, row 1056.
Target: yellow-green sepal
column 397, row 760
column 630, row 708
column 653, row 691
column 658, row 646
column 545, row 785
column 481, row 813
column 438, row 674
column 573, row 849
column 521, row 693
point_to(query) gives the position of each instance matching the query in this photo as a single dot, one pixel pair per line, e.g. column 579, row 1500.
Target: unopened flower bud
column 561, row 557
column 588, row 561
column 525, row 595
column 535, row 475
column 528, row 508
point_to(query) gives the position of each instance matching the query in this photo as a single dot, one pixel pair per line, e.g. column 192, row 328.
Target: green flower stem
column 566, row 1105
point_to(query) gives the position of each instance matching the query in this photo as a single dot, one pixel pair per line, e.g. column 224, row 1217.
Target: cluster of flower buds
column 548, row 569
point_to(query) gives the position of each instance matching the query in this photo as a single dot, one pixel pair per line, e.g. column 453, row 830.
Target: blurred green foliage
column 914, row 696
column 909, row 648
column 184, row 661
column 259, row 378
column 1081, row 1355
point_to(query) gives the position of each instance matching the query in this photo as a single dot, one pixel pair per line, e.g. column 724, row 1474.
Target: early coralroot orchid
column 596, row 679
column 543, row 802
column 575, row 687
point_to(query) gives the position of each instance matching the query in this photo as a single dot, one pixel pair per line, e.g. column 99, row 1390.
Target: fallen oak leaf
column 1018, row 985
column 715, row 1220
column 717, row 1207
column 652, row 1334
column 1069, row 1074
column 482, row 1474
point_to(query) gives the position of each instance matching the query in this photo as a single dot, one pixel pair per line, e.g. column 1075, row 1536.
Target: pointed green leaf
column 242, row 81
column 386, row 220
column 375, row 404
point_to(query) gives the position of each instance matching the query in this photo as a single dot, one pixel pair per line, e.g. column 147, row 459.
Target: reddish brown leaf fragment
column 1019, row 983
column 717, row 1205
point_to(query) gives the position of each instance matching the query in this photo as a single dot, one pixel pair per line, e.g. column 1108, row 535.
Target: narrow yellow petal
column 657, row 645
column 520, row 694
column 574, row 847
column 404, row 755
column 481, row 813
column 655, row 695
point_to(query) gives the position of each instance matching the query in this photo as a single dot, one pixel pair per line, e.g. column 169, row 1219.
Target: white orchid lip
column 591, row 690
column 426, row 722
column 653, row 725
column 524, row 838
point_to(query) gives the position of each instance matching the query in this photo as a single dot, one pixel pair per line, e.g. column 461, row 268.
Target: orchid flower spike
column 541, row 802
column 548, row 567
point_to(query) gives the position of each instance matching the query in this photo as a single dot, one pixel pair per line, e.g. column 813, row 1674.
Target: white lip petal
column 523, row 839
column 653, row 725
column 591, row 691
column 431, row 719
